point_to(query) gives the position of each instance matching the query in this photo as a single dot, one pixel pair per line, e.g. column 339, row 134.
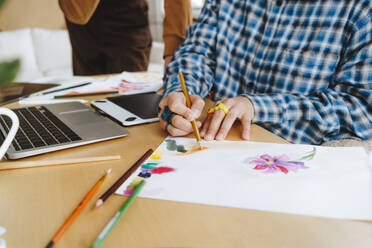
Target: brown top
column 178, row 16
column 78, row 11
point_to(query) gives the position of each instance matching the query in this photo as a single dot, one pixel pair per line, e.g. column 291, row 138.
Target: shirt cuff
column 267, row 109
column 173, row 84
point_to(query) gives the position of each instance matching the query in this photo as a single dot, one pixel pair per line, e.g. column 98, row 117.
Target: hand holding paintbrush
column 188, row 104
column 179, row 112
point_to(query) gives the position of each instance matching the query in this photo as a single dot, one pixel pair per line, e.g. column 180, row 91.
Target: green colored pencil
column 106, row 231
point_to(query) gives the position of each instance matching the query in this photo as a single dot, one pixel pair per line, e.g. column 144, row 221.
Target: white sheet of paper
column 336, row 183
column 126, row 83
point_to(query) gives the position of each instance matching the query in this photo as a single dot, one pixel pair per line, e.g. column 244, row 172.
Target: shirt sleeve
column 78, row 11
column 178, row 16
column 345, row 107
column 195, row 58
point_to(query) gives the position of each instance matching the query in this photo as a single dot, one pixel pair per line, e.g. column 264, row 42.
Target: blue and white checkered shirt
column 305, row 65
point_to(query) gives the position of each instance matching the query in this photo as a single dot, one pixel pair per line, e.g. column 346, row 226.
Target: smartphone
column 129, row 110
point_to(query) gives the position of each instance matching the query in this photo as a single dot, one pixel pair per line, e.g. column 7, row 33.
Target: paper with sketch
column 128, row 83
column 125, row 84
column 298, row 179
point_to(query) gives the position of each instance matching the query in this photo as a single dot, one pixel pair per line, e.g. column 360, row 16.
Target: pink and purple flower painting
column 276, row 164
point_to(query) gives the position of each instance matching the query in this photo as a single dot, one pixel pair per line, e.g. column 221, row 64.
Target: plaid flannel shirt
column 306, row 66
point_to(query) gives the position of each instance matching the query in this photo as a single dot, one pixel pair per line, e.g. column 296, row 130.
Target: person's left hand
column 217, row 124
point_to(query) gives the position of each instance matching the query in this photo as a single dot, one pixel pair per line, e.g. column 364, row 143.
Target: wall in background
column 156, row 15
column 18, row 14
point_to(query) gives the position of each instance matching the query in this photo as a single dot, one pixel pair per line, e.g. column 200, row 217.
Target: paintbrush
column 188, row 104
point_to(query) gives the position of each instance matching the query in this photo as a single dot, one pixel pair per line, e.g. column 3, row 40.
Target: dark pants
column 117, row 38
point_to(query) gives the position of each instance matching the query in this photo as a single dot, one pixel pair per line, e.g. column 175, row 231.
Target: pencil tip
column 98, row 203
column 50, row 244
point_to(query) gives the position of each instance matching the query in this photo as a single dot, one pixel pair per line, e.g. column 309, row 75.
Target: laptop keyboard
column 38, row 128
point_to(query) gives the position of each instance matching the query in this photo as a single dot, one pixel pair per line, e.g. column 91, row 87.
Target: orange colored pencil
column 77, row 210
column 188, row 104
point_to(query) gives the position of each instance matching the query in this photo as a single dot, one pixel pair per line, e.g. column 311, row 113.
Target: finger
column 205, row 125
column 178, row 106
column 246, row 124
column 171, row 130
column 163, row 102
column 170, row 98
column 199, row 124
column 181, row 123
column 197, row 105
column 176, row 132
column 226, row 124
column 214, row 125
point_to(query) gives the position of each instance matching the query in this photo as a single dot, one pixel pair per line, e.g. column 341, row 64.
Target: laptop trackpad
column 81, row 117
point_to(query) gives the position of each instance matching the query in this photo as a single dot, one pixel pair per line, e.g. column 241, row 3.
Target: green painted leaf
column 308, row 156
column 8, row 71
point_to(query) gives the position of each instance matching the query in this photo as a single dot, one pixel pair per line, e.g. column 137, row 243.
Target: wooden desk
column 35, row 202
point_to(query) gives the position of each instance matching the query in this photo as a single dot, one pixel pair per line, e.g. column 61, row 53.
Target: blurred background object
column 8, row 69
column 34, row 32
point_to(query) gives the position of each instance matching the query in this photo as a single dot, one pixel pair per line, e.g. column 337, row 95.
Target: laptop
column 52, row 127
column 15, row 91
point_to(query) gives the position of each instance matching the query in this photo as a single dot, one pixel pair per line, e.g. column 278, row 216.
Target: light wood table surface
column 35, row 202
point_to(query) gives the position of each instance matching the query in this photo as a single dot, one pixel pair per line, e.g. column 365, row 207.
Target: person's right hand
column 181, row 122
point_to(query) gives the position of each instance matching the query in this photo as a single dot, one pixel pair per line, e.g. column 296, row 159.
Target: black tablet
column 130, row 110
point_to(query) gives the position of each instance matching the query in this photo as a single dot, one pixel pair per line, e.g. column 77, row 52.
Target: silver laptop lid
column 73, row 124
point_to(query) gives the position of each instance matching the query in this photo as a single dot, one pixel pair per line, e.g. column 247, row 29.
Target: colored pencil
column 92, row 93
column 122, row 179
column 66, row 88
column 188, row 104
column 77, row 210
column 40, row 163
column 112, row 223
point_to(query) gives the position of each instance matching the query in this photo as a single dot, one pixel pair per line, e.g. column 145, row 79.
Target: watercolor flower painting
column 282, row 163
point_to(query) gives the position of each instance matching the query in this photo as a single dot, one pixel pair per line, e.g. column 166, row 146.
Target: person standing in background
column 178, row 17
column 110, row 36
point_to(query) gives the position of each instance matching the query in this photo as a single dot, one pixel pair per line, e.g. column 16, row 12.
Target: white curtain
column 156, row 15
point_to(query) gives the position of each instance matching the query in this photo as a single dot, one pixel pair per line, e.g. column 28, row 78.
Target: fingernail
column 219, row 137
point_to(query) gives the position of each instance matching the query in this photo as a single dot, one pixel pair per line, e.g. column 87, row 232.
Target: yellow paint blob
column 156, row 155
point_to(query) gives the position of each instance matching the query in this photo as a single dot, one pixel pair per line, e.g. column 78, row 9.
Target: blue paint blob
column 181, row 148
column 171, row 145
